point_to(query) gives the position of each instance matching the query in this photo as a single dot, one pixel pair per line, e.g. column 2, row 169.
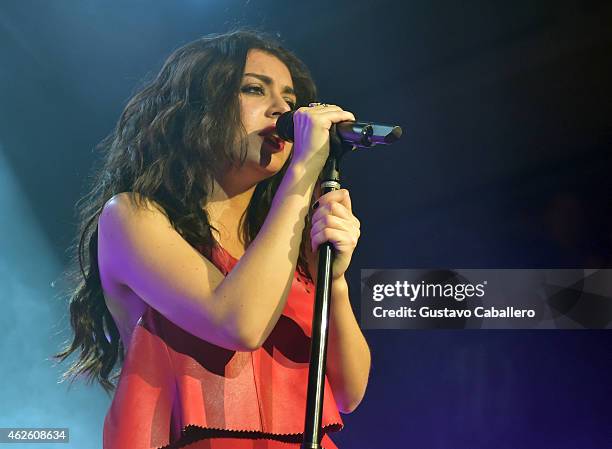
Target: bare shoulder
column 131, row 205
column 129, row 219
column 135, row 233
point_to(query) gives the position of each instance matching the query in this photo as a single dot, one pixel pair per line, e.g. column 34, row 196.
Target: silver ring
column 333, row 184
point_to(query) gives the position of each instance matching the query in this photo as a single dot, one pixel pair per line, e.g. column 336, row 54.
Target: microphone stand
column 364, row 135
column 330, row 180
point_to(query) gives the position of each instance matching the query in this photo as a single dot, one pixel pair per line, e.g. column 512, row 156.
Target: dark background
column 505, row 163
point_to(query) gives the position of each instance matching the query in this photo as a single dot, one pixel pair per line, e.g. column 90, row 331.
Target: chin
column 265, row 163
column 272, row 168
column 272, row 163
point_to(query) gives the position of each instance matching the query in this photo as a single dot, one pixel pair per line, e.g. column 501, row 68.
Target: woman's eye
column 259, row 90
column 249, row 89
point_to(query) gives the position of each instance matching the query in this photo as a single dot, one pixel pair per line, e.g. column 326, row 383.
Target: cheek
column 249, row 115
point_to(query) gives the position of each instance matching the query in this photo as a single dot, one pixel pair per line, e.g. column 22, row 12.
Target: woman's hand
column 311, row 133
column 333, row 221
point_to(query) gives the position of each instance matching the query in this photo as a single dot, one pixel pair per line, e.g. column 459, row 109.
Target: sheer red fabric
column 174, row 387
column 239, row 443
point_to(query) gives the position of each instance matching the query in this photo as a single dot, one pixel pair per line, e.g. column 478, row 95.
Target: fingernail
column 315, row 205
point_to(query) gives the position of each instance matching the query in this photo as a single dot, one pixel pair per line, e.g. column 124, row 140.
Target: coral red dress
column 176, row 390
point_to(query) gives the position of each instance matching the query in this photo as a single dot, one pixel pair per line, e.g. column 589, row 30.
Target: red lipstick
column 274, row 144
column 271, row 140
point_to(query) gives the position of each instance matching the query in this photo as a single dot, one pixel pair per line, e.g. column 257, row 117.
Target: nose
column 278, row 106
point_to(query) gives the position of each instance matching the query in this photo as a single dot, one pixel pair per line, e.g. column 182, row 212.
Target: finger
column 332, row 208
column 325, row 117
column 323, row 107
column 341, row 240
column 344, row 115
column 326, row 110
column 332, row 222
column 351, row 226
column 318, row 109
column 326, row 235
column 341, row 196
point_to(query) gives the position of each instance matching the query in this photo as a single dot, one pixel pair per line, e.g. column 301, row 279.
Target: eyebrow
column 268, row 81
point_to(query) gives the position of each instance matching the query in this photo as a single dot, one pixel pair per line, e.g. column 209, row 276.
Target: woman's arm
column 139, row 249
column 348, row 354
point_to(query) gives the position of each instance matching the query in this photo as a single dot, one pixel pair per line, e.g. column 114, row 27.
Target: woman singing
column 197, row 254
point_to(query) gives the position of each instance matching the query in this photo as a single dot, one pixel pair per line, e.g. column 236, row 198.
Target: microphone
column 359, row 134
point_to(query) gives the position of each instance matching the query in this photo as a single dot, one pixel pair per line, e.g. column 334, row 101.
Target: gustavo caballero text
column 446, row 312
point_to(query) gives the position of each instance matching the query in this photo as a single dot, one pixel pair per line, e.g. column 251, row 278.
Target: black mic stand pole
column 330, row 180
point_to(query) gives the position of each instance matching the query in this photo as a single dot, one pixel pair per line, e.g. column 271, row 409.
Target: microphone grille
column 284, row 126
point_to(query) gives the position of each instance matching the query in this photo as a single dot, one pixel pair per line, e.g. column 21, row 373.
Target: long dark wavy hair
column 173, row 137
